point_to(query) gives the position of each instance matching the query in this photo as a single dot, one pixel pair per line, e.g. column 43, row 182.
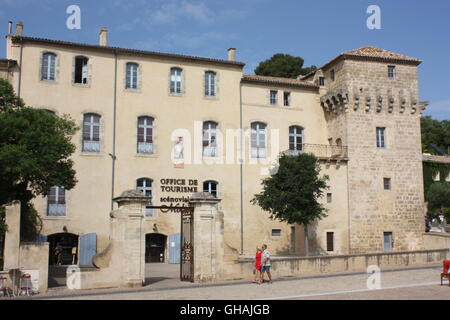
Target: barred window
column 381, row 137
column 48, row 66
column 91, row 132
column 145, row 135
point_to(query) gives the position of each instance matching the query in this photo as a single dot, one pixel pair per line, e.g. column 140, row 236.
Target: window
column 48, row 66
column 56, row 202
column 329, row 197
column 295, row 140
column 132, row 76
column 287, row 99
column 391, row 72
column 145, row 135
column 81, row 70
column 388, row 241
column 321, row 81
column 276, row 232
column 145, row 186
column 258, row 140
column 330, row 241
column 387, row 183
column 210, row 84
column 381, row 137
column 209, row 139
column 273, row 97
column 332, row 75
column 91, row 133
column 176, row 80
column 210, row 187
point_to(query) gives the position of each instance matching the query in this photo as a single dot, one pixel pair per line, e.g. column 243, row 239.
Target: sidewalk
column 284, row 288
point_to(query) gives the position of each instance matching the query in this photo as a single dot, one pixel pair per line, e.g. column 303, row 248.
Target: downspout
column 20, row 69
column 241, row 161
column 113, row 155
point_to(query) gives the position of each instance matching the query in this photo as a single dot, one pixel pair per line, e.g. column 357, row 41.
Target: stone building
column 169, row 125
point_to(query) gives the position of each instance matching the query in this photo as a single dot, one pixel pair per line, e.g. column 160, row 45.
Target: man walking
column 265, row 261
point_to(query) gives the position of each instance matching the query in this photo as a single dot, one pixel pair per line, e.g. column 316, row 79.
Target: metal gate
column 186, row 239
column 187, row 245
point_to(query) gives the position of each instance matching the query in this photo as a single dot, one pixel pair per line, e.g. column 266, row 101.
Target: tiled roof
column 129, row 51
column 441, row 159
column 373, row 52
column 278, row 81
column 369, row 53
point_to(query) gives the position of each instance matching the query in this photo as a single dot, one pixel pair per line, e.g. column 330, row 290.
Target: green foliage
column 430, row 169
column 283, row 65
column 35, row 150
column 435, row 132
column 291, row 195
column 30, row 222
column 438, row 197
column 3, row 226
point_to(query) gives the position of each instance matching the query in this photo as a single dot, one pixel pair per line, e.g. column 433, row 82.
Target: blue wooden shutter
column 41, row 238
column 174, row 248
column 88, row 248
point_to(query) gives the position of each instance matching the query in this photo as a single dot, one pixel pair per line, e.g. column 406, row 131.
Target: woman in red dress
column 257, row 270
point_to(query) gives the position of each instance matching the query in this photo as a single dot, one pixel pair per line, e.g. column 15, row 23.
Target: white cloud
column 171, row 11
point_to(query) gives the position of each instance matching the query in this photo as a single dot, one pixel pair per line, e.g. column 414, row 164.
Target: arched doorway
column 155, row 248
column 68, row 243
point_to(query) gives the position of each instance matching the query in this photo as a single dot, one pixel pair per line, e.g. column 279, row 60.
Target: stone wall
column 34, row 256
column 307, row 266
column 436, row 240
column 361, row 99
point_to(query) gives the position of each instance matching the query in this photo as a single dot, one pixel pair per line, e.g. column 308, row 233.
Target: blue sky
column 315, row 30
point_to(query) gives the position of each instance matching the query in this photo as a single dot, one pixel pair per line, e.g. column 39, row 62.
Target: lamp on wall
column 65, row 229
column 155, row 228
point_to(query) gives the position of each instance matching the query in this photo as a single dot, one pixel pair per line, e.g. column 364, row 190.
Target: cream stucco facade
column 334, row 116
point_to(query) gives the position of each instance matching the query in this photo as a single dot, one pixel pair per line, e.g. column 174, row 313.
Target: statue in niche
column 178, row 153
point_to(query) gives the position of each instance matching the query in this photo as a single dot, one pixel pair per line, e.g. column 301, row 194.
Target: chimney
column 232, row 54
column 19, row 28
column 10, row 27
column 103, row 38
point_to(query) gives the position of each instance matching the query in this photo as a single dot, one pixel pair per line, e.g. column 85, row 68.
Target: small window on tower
column 391, row 72
column 276, row 232
column 387, row 183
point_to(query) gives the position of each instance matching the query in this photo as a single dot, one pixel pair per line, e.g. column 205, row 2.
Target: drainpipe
column 241, row 160
column 113, row 155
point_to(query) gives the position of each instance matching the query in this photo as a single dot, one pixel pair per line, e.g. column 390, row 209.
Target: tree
column 438, row 198
column 35, row 150
column 283, row 65
column 435, row 132
column 291, row 195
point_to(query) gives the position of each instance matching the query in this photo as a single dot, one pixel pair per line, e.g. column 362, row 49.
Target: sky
column 317, row 31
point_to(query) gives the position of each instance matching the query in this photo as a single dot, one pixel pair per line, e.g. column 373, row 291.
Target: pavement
column 421, row 283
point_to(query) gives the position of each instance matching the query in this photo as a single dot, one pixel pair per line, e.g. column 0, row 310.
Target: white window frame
column 145, row 147
column 57, row 209
column 381, row 137
column 259, row 131
column 209, row 134
column 296, row 136
column 273, row 99
column 288, row 95
column 144, row 188
column 132, row 72
column 176, row 80
column 210, row 84
column 209, row 188
column 84, row 71
column 392, row 72
column 90, row 144
column 46, row 74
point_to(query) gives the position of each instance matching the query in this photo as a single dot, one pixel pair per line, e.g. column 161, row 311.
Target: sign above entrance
column 178, row 186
